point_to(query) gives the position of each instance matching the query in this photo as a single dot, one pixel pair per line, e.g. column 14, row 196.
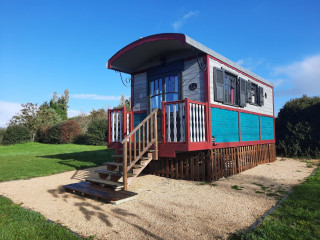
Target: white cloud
column 250, row 63
column 96, row 97
column 7, row 110
column 302, row 77
column 73, row 113
column 178, row 24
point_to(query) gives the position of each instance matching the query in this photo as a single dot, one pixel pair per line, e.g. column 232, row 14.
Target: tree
column 124, row 103
column 27, row 117
column 60, row 104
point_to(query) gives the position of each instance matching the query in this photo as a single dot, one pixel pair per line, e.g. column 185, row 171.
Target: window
column 231, row 90
column 164, row 88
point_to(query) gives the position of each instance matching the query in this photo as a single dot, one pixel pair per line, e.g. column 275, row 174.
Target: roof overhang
column 154, row 48
column 159, row 48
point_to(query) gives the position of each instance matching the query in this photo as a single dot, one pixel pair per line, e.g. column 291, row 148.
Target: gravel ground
column 164, row 208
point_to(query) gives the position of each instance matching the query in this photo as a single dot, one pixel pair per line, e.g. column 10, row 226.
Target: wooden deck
column 106, row 194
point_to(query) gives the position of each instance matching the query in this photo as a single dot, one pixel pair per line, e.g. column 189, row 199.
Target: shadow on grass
column 85, row 159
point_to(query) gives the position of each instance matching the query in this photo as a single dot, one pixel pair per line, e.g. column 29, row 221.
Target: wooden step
column 117, row 156
column 106, row 194
column 115, row 185
column 113, row 173
column 121, row 164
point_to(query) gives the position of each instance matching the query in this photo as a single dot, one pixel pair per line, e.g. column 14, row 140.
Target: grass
column 28, row 160
column 22, row 161
column 18, row 223
column 236, row 187
column 297, row 218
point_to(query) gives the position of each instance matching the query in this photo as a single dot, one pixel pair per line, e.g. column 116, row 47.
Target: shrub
column 41, row 134
column 2, row 130
column 97, row 132
column 53, row 134
column 69, row 130
column 16, row 134
column 298, row 128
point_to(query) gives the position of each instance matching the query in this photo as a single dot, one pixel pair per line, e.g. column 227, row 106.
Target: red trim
column 187, row 120
column 259, row 128
column 157, row 37
column 207, row 98
column 208, row 120
column 239, row 125
column 124, row 113
column 109, row 125
column 239, row 110
column 218, row 60
column 138, row 112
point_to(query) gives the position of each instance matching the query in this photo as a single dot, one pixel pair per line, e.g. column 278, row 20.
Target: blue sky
column 48, row 46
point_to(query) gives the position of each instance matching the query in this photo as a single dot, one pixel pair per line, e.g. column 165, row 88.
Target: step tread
column 104, row 193
column 113, row 173
column 106, row 182
column 121, row 164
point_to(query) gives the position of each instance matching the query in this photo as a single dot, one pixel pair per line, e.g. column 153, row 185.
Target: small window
column 230, row 88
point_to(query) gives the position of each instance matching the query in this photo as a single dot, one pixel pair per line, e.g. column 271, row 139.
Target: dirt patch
column 164, row 208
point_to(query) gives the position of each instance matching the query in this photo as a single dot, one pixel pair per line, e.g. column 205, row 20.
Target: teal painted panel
column 267, row 130
column 224, row 125
column 138, row 118
column 249, row 125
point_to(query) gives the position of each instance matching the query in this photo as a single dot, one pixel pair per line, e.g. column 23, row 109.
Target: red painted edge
column 157, row 37
column 124, row 124
column 142, row 111
column 259, row 128
column 163, row 122
column 109, row 125
column 218, row 60
column 187, row 120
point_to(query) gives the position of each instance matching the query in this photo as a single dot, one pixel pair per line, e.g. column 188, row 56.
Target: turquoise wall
column 224, row 125
column 138, row 118
column 267, row 130
column 249, row 125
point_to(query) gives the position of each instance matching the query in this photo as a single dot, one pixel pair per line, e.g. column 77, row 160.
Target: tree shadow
column 85, row 159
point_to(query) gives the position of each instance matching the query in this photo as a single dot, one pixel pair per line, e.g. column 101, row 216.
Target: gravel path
column 164, row 208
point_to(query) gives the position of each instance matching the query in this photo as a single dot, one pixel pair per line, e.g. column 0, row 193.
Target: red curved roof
column 152, row 38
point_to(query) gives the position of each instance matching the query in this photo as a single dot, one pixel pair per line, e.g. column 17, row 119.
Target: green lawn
column 28, row 160
column 297, row 218
column 17, row 223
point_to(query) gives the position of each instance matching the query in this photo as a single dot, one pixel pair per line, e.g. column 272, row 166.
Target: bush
column 2, row 130
column 298, row 128
column 69, row 130
column 41, row 134
column 16, row 134
column 97, row 132
column 53, row 134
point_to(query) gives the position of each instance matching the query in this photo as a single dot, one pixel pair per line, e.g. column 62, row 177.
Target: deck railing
column 184, row 121
column 120, row 121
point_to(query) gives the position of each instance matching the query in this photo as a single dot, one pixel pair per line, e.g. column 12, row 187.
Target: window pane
column 152, row 88
column 156, row 87
column 167, row 84
column 176, row 81
column 171, row 83
column 160, row 85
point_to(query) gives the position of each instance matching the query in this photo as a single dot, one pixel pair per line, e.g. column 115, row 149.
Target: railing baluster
column 200, row 122
column 147, row 132
column 112, row 125
column 139, row 145
column 169, row 124
column 130, row 151
column 181, row 108
column 128, row 122
column 134, row 146
column 117, row 126
column 120, row 125
column 203, row 124
column 125, row 176
column 175, row 122
column 156, row 135
column 143, row 136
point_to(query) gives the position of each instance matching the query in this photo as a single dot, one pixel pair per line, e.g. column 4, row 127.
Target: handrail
column 143, row 128
column 137, row 127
